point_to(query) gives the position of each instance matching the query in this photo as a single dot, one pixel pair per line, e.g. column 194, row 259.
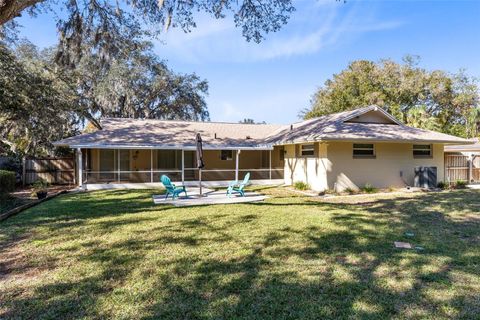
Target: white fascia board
column 446, row 142
column 374, row 108
column 171, row 147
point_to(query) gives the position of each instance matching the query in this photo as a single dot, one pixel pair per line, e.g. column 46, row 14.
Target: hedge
column 7, row 181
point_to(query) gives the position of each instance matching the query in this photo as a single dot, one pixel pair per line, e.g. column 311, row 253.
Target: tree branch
column 10, row 9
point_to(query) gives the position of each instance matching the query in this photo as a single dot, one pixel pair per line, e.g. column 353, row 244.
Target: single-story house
column 337, row 151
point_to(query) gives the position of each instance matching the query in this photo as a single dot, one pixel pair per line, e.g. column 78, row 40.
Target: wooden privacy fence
column 461, row 167
column 52, row 170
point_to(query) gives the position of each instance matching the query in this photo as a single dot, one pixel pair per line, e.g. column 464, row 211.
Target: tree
column 41, row 102
column 428, row 99
column 139, row 86
column 251, row 121
column 32, row 102
column 107, row 26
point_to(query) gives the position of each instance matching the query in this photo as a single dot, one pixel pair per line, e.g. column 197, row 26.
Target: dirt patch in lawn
column 15, row 262
column 26, row 192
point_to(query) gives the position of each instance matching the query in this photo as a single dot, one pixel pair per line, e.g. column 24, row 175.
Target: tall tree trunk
column 10, row 9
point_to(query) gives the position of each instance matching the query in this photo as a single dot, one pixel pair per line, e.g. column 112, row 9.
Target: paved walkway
column 474, row 186
column 209, row 197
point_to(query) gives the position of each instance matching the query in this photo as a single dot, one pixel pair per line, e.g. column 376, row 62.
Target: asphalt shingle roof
column 121, row 132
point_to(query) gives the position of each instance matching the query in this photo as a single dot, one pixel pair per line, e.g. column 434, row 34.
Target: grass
column 8, row 202
column 113, row 254
column 300, row 185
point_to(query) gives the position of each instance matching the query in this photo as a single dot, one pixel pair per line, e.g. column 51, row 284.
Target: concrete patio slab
column 210, row 197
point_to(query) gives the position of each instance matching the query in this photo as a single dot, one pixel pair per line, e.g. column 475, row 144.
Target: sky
column 274, row 80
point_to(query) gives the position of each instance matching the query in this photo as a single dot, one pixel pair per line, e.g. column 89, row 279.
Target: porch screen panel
column 124, row 165
column 169, row 159
column 107, row 165
column 169, row 162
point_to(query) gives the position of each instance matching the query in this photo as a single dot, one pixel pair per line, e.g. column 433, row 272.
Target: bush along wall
column 7, row 181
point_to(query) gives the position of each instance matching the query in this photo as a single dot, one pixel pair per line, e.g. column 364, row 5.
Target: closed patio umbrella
column 200, row 163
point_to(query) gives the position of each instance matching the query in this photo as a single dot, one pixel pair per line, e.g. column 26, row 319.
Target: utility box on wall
column 425, row 177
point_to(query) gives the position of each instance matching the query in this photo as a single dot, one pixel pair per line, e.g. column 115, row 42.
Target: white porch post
column 118, row 164
column 237, row 156
column 80, row 167
column 270, row 164
column 183, row 166
column 151, row 165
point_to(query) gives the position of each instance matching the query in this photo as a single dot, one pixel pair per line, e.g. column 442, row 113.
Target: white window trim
column 421, row 155
column 312, row 150
column 364, row 156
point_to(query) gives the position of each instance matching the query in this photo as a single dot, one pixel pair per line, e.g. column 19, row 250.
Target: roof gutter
column 447, row 142
column 166, row 147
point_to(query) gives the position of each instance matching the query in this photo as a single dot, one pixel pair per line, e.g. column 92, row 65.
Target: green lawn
column 116, row 255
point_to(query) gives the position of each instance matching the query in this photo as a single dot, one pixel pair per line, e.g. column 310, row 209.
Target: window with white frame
column 308, row 150
column 422, row 150
column 363, row 150
column 226, row 154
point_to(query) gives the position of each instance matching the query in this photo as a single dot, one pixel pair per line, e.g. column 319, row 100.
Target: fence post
column 24, row 170
column 470, row 168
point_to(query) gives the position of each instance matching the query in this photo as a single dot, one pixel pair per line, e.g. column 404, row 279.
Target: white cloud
column 315, row 26
column 228, row 112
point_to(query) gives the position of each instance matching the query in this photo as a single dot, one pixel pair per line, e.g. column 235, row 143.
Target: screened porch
column 120, row 166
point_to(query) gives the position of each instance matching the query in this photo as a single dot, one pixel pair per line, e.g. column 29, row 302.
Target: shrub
column 442, row 185
column 368, row 188
column 350, row 191
column 460, row 184
column 300, row 185
column 39, row 186
column 11, row 164
column 7, row 181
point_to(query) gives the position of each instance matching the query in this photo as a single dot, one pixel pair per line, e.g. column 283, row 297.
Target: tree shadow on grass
column 349, row 271
column 259, row 289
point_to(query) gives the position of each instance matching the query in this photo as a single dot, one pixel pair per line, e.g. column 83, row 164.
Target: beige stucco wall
column 311, row 170
column 334, row 166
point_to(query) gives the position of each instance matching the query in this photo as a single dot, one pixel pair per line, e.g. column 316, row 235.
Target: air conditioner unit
column 425, row 177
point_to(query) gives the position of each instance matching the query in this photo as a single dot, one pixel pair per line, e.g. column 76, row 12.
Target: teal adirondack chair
column 235, row 187
column 171, row 188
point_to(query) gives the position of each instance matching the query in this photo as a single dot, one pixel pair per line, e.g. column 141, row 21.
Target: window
column 422, row 150
column 308, row 150
column 226, row 154
column 363, row 150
